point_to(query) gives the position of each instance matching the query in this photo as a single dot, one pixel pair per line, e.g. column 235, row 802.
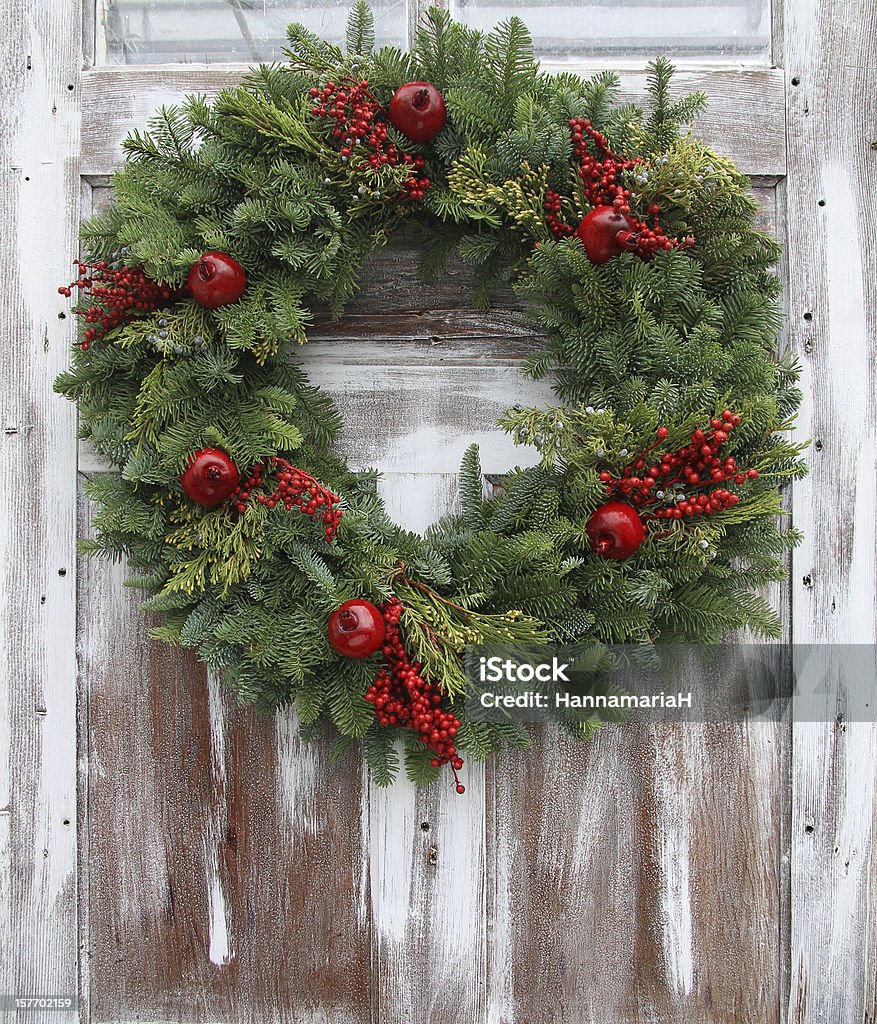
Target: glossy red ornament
column 599, row 233
column 216, row 280
column 417, row 109
column 615, row 530
column 210, row 477
column 356, row 629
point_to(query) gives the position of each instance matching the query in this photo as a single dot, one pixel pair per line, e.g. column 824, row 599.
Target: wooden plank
column 652, row 884
column 512, row 905
column 830, row 53
column 745, row 119
column 39, row 153
column 415, row 416
column 426, row 856
column 635, row 878
column 227, row 870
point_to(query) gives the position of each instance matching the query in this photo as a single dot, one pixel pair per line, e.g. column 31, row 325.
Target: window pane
column 713, row 30
column 221, row 31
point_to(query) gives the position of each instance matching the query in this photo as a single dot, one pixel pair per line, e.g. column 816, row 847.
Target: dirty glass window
column 712, row 30
column 222, row 31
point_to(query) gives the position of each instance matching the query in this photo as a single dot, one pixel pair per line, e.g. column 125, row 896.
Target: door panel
column 216, row 868
column 593, row 878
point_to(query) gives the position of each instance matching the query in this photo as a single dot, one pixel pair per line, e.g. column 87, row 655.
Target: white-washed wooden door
column 166, row 856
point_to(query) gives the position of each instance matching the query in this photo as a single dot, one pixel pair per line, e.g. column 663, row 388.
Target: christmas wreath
column 651, row 516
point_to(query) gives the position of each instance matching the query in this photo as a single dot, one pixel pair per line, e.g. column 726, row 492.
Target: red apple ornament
column 615, row 530
column 356, row 629
column 210, row 477
column 600, row 231
column 417, row 109
column 216, row 280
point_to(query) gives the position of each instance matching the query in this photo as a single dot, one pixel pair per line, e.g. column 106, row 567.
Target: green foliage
column 631, row 345
column 360, row 29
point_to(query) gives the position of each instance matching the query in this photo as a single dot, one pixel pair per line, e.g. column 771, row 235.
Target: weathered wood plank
column 426, row 856
column 577, row 895
column 745, row 119
column 39, row 153
column 415, row 417
column 641, row 877
column 227, row 870
column 830, row 52
column 636, row 877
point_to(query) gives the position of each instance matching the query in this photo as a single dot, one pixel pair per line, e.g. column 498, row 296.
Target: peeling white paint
column 217, row 715
column 299, row 778
column 851, row 384
column 674, row 845
column 219, row 951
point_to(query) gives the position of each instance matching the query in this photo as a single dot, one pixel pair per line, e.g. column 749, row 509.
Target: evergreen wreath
column 651, row 516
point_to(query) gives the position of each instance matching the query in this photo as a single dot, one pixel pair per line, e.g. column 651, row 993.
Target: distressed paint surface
column 564, row 869
column 39, row 168
column 745, row 119
column 830, row 53
column 230, row 872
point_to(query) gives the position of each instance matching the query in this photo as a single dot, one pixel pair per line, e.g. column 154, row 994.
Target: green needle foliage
column 632, row 345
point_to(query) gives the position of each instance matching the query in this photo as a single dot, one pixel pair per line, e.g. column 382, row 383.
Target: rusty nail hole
column 821, row 202
column 27, row 177
column 809, row 829
column 70, row 88
column 62, row 316
column 43, row 599
column 66, row 821
column 62, row 572
column 424, row 825
column 29, row 64
column 817, row 445
column 808, row 580
column 808, row 317
column 796, row 81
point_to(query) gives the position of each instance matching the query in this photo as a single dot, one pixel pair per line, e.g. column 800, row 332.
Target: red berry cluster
column 118, row 295
column 600, row 172
column 697, row 465
column 361, row 121
column 552, row 203
column 402, row 697
column 294, row 488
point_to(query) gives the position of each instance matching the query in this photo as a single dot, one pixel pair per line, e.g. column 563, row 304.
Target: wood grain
column 426, row 858
column 745, row 119
column 227, row 872
column 830, row 52
column 39, row 156
column 642, row 877
column 636, row 878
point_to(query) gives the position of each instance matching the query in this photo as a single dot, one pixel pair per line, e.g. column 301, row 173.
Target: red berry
column 615, row 530
column 599, row 233
column 216, row 280
column 356, row 629
column 210, row 477
column 417, row 109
